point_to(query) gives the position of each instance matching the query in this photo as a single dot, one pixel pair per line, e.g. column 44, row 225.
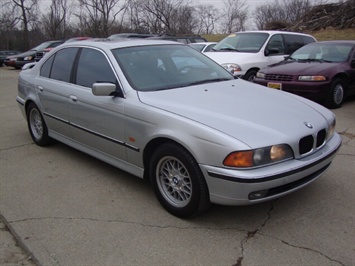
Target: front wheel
column 37, row 126
column 336, row 95
column 178, row 182
column 250, row 75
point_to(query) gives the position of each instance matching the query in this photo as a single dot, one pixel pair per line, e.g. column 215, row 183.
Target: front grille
column 39, row 56
column 278, row 77
column 308, row 143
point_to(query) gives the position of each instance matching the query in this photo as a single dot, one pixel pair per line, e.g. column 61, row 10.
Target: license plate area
column 273, row 85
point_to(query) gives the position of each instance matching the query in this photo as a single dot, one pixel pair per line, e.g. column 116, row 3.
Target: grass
column 321, row 35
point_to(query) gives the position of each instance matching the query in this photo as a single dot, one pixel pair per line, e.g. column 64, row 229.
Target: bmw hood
column 251, row 113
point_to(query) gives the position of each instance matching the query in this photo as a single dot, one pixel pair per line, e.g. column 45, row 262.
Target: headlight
column 312, row 78
column 331, row 129
column 259, row 157
column 28, row 58
column 260, row 75
column 233, row 68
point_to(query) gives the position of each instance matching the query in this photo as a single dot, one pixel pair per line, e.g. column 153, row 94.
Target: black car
column 180, row 38
column 131, row 36
column 29, row 56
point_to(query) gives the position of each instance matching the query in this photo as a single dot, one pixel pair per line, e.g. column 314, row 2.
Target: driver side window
column 94, row 67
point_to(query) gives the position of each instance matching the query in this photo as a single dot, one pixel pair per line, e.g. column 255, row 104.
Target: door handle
column 73, row 98
column 40, row 88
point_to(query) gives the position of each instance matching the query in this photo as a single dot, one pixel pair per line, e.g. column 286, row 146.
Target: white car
column 203, row 46
column 163, row 111
column 244, row 53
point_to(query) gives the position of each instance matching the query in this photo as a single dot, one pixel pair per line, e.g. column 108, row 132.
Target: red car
column 322, row 71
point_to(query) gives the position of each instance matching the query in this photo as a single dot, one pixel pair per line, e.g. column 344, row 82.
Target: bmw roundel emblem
column 309, row 125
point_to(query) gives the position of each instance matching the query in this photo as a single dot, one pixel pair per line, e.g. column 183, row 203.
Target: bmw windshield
column 161, row 67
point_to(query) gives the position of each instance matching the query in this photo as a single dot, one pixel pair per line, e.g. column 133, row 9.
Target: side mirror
column 352, row 64
column 105, row 89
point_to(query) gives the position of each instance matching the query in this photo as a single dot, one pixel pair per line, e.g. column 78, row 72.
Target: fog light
column 258, row 194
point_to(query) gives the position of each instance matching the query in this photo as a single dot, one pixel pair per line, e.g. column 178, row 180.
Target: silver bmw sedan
column 165, row 112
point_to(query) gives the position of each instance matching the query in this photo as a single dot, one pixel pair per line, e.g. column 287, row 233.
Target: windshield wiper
column 314, row 60
column 206, row 81
column 289, row 58
column 228, row 49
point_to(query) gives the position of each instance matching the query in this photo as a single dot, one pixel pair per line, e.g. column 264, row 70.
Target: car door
column 53, row 86
column 275, row 50
column 97, row 121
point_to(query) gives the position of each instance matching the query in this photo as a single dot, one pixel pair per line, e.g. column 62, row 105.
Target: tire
column 178, row 182
column 336, row 95
column 37, row 126
column 250, row 75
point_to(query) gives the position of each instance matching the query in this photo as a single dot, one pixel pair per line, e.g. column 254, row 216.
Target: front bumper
column 316, row 91
column 244, row 187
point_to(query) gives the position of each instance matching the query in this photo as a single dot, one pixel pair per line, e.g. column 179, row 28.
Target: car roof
column 337, row 42
column 120, row 43
column 273, row 32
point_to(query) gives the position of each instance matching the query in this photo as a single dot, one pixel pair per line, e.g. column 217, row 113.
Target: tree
column 286, row 13
column 55, row 22
column 234, row 15
column 25, row 11
column 7, row 25
column 165, row 16
column 207, row 16
column 98, row 16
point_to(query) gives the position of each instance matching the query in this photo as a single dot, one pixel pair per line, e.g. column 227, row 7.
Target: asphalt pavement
column 64, row 207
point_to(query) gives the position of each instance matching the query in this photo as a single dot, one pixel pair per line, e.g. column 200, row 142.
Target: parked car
column 321, row 71
column 40, row 54
column 180, row 38
column 131, row 36
column 29, row 56
column 10, row 61
column 203, row 46
column 164, row 111
column 6, row 53
column 244, row 53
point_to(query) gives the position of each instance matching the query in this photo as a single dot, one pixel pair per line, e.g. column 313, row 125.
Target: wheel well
column 150, row 149
column 343, row 77
column 27, row 104
column 251, row 69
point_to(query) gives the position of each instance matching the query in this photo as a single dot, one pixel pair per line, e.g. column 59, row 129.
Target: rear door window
column 63, row 64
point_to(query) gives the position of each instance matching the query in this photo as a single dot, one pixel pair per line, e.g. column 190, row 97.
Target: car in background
column 39, row 55
column 164, row 111
column 10, row 61
column 203, row 46
column 244, row 53
column 29, row 56
column 321, row 71
column 118, row 36
column 5, row 53
column 179, row 38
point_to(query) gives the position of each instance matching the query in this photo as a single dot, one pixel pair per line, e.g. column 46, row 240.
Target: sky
column 251, row 4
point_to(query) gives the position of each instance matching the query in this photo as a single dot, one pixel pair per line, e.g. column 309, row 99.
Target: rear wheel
column 178, row 182
column 37, row 126
column 336, row 95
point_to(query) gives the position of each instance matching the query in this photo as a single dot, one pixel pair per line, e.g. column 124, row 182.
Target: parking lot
column 67, row 208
